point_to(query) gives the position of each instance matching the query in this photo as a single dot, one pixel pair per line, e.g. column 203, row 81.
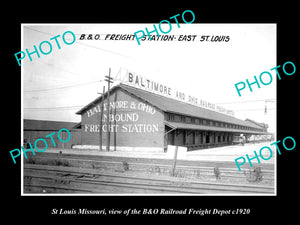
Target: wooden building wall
column 133, row 122
column 197, row 139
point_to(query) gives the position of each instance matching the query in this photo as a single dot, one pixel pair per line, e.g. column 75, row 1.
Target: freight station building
column 140, row 120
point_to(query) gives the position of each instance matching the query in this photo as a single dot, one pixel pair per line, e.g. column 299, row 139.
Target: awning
column 190, row 126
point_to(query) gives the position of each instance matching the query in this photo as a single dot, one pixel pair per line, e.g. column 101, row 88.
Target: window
column 182, row 118
column 171, row 117
column 192, row 120
column 188, row 119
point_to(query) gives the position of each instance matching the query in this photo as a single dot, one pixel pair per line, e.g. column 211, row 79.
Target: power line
column 55, row 108
column 63, row 87
column 80, row 106
column 80, row 43
column 261, row 100
column 252, row 109
column 58, row 68
column 91, row 46
column 29, row 28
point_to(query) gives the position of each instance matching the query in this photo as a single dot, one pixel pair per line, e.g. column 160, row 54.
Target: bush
column 31, row 161
column 254, row 175
column 125, row 166
column 217, row 173
column 59, row 162
column 197, row 173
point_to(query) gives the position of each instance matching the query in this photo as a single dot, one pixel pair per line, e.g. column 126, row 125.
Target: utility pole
column 115, row 124
column 109, row 80
column 266, row 101
column 101, row 118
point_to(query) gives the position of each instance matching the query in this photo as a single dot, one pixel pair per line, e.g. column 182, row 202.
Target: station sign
column 125, row 116
column 146, row 84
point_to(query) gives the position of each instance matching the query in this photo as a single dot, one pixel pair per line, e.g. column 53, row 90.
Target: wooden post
column 101, row 118
column 115, row 124
column 108, row 79
column 175, row 160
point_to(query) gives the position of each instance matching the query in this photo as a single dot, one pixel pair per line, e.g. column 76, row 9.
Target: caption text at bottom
column 151, row 211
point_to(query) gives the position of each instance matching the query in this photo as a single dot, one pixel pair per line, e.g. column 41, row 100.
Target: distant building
column 264, row 126
column 34, row 129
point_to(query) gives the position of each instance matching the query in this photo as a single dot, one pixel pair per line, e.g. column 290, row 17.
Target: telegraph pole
column 101, row 117
column 266, row 101
column 109, row 80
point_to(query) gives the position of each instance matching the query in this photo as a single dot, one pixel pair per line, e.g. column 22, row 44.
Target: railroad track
column 187, row 169
column 45, row 179
column 140, row 160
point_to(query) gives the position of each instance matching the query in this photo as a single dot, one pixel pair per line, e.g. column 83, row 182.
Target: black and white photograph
column 107, row 111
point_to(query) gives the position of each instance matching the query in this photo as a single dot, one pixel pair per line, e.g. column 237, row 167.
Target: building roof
column 48, row 125
column 262, row 125
column 174, row 106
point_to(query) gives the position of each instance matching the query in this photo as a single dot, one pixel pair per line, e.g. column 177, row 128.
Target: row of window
column 200, row 121
column 207, row 139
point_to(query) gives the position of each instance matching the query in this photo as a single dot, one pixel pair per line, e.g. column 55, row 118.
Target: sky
column 57, row 85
